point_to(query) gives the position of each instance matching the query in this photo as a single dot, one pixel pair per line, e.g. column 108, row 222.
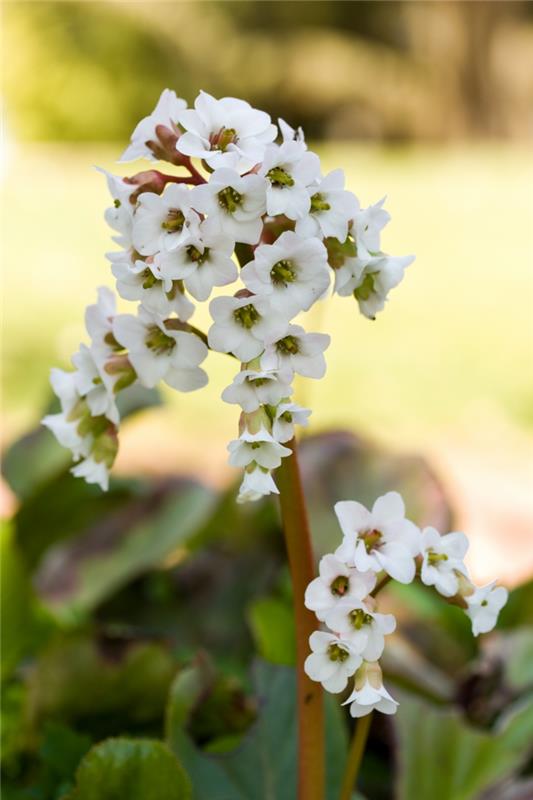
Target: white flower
column 369, row 692
column 242, row 324
column 443, row 560
column 166, row 113
column 289, row 134
column 99, row 324
column 331, row 209
column 332, row 661
column 381, row 539
column 203, row 263
column 163, row 222
column 371, row 284
column 289, row 169
column 256, row 483
column 257, row 447
column 93, row 472
column 159, row 352
column 367, row 226
column 358, row 623
column 484, row 605
column 144, row 282
column 286, row 417
column 225, row 133
column 336, row 582
column 120, row 215
column 293, row 272
column 64, row 425
column 234, row 205
column 252, row 388
column 95, row 385
column 297, row 351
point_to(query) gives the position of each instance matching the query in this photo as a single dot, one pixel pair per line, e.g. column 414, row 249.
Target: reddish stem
column 311, row 761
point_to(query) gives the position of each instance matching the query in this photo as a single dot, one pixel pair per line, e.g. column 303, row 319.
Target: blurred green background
column 126, row 614
column 429, row 103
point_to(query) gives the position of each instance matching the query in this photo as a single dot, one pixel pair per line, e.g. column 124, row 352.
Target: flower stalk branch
column 355, row 756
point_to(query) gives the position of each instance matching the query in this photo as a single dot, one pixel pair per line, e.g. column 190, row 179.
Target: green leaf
column 518, row 611
column 104, row 686
column 440, row 757
column 36, row 457
column 24, row 624
column 130, row 769
column 264, row 765
column 100, row 571
column 109, row 539
column 272, row 623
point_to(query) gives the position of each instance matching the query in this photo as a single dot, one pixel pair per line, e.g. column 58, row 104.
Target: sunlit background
column 428, row 103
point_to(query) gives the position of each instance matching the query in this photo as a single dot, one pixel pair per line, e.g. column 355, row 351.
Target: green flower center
column 434, row 558
column 318, row 203
column 158, row 341
column 289, row 345
column 358, row 618
column 247, row 316
column 174, row 222
column 337, row 653
column 196, row 256
column 286, row 416
column 220, row 140
column 371, row 539
column 338, row 252
column 283, row 272
column 279, row 178
column 230, row 199
column 366, row 289
column 340, row 585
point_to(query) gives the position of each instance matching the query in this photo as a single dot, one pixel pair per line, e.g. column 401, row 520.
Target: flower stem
column 311, row 761
column 355, row 756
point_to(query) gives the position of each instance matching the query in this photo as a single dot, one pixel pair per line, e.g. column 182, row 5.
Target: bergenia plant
column 248, row 209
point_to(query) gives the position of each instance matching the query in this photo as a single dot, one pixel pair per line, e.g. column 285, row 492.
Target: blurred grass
column 453, row 345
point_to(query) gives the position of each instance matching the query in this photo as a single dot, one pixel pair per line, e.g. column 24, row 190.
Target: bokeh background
column 127, row 613
column 429, row 103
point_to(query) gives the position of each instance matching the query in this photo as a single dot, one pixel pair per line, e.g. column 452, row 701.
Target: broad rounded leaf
column 131, row 769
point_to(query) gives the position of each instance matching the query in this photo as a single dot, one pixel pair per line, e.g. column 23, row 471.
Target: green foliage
column 24, row 623
column 100, row 684
column 264, row 764
column 137, row 769
column 442, row 758
column 150, row 604
column 272, row 623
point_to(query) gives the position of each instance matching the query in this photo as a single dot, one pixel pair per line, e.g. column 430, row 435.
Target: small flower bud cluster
column 379, row 545
column 254, row 194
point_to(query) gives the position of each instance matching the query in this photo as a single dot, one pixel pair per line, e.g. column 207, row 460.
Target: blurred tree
column 393, row 70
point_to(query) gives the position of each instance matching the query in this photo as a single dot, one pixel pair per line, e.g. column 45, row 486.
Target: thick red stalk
column 311, row 756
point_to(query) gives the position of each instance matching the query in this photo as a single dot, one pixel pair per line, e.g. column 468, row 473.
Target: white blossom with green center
column 364, row 628
column 163, row 222
column 297, row 352
column 289, row 169
column 381, row 539
column 234, row 205
column 443, row 560
column 332, row 209
column 293, row 272
column 158, row 352
column 336, row 582
column 202, row 263
column 332, row 661
column 225, row 133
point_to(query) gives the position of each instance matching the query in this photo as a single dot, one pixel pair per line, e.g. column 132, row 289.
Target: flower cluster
column 377, row 546
column 255, row 196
